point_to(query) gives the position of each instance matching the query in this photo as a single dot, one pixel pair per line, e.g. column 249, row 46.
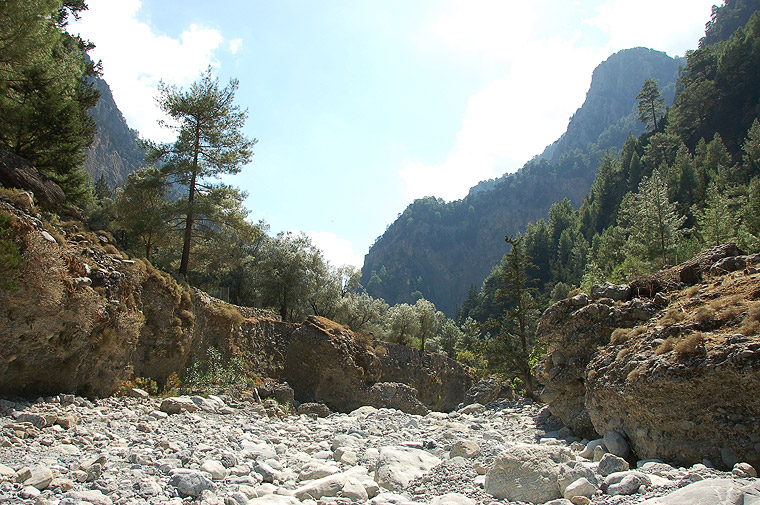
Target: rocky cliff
column 673, row 364
column 79, row 317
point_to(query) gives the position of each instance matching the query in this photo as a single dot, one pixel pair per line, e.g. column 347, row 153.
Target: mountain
column 115, row 152
column 440, row 249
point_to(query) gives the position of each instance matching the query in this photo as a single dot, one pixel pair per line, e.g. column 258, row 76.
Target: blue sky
column 361, row 106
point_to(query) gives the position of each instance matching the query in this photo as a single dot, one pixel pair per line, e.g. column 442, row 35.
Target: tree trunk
column 183, row 266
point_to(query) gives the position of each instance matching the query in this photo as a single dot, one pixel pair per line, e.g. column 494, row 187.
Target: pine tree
column 209, row 142
column 651, row 104
column 717, row 223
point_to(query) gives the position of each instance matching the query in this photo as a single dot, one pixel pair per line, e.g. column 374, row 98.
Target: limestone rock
column 527, row 472
column 572, row 330
column 94, row 497
column 326, row 365
column 711, row 492
column 40, row 478
column 215, row 469
column 190, row 482
column 744, row 471
column 397, row 466
column 16, row 172
column 580, row 487
column 574, row 470
column 692, row 271
column 176, row 404
column 465, row 449
column 624, row 483
column 488, row 390
column 617, row 292
column 394, row 395
column 315, row 409
column 616, row 443
column 610, row 464
column 452, row 499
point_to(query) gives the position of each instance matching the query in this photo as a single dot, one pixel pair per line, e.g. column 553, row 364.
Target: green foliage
column 10, row 254
column 209, row 144
column 143, row 209
column 651, row 104
column 213, row 373
column 45, row 92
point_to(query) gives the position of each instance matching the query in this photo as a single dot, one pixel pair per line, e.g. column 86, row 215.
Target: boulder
column 314, row 409
column 466, row 449
column 16, row 172
column 397, row 466
column 488, row 390
column 440, row 381
column 625, row 483
column 580, row 487
column 324, row 363
column 711, row 492
column 617, row 292
column 574, row 470
column 527, row 472
column 693, row 271
column 573, row 329
column 616, row 443
column 610, row 464
column 176, row 404
column 393, row 395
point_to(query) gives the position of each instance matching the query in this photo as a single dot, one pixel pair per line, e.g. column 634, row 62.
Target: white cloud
column 135, row 58
column 235, row 45
column 338, row 251
column 539, row 76
column 674, row 26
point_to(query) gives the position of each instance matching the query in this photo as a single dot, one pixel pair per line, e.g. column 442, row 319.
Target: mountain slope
column 114, row 153
column 438, row 250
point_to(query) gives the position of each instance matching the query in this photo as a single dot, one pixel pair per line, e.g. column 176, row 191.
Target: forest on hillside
column 689, row 180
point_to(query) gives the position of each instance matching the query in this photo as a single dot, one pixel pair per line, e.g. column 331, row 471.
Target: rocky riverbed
column 121, row 450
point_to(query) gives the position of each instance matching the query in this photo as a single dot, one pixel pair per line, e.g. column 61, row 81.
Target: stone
column 711, row 492
column 488, row 390
column 397, row 466
column 16, row 172
column 588, row 451
column 215, row 469
column 473, row 408
column 176, row 404
column 137, row 393
column 331, row 485
column 616, row 443
column 37, row 420
column 394, row 395
column 274, row 499
column 465, row 449
column 66, row 421
column 617, row 292
column 354, row 491
column 40, row 478
column 527, row 472
column 189, row 483
column 744, row 471
column 6, row 472
column 317, row 470
column 574, row 470
column 625, row 483
column 610, row 464
column 452, row 499
column 314, row 409
column 580, row 487
column 93, row 497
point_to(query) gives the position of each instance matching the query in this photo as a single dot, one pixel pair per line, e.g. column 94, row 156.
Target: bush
column 213, row 373
column 692, row 344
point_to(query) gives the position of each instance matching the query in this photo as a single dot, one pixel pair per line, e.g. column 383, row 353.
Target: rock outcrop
column 92, row 319
column 16, row 172
column 677, row 376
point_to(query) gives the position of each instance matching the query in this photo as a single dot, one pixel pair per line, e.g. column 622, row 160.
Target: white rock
column 274, row 499
column 711, row 492
column 574, row 470
column 527, row 472
column 189, row 482
column 744, row 471
column 41, row 478
column 397, row 466
column 616, row 443
column 6, row 471
column 466, row 449
column 215, row 469
column 588, row 452
column 354, row 490
column 176, row 404
column 94, row 497
column 581, row 487
column 452, row 499
column 317, row 470
column 624, row 483
column 610, row 464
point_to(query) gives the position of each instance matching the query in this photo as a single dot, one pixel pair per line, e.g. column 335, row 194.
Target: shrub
column 674, row 315
column 666, row 346
column 10, row 253
column 704, row 314
column 621, row 355
column 205, row 375
column 751, row 323
column 620, row 336
column 692, row 344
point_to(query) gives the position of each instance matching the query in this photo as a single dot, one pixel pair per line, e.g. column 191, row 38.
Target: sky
column 361, row 106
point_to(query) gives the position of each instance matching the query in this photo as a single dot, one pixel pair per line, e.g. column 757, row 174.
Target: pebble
column 217, row 451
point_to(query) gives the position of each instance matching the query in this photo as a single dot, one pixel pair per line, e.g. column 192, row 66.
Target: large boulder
column 393, row 395
column 694, row 270
column 711, row 492
column 440, row 381
column 572, row 330
column 397, row 466
column 714, row 387
column 324, row 363
column 488, row 390
column 16, row 172
column 527, row 472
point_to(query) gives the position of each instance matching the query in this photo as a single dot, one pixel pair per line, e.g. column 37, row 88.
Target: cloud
column 650, row 23
column 338, row 251
column 538, row 71
column 235, row 45
column 135, row 58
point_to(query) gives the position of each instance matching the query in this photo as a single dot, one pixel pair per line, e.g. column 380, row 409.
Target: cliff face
column 440, row 249
column 676, row 371
column 80, row 318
